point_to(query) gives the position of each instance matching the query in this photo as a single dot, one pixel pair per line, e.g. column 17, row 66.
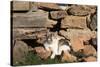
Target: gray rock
column 93, row 23
column 93, row 42
column 19, row 51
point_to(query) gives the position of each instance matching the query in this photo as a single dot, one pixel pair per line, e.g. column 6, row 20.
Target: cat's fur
column 56, row 44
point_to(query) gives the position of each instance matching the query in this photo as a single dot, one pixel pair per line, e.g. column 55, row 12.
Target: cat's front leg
column 47, row 47
column 52, row 56
column 59, row 52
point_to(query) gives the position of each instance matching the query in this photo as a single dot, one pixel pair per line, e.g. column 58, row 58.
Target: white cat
column 56, row 44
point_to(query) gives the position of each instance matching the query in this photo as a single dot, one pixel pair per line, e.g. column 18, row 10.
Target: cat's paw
column 52, row 56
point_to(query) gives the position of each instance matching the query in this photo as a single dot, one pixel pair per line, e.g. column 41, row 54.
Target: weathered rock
column 20, row 5
column 68, row 57
column 41, row 36
column 58, row 14
column 77, row 44
column 74, row 22
column 84, row 34
column 89, row 50
column 26, row 33
column 34, row 19
column 90, row 59
column 42, row 53
column 48, row 6
column 77, row 37
column 93, row 23
column 19, row 51
column 80, row 10
column 91, row 8
column 93, row 42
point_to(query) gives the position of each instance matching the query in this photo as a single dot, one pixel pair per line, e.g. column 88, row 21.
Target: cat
column 56, row 44
column 64, row 45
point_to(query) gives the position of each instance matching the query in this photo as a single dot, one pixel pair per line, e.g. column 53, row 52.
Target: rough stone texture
column 42, row 53
column 68, row 57
column 19, row 51
column 30, row 33
column 27, row 33
column 89, row 50
column 48, row 6
column 73, row 22
column 35, row 19
column 84, row 34
column 93, row 42
column 90, row 8
column 77, row 44
column 41, row 36
column 80, row 10
column 20, row 5
column 77, row 37
column 77, row 23
column 90, row 59
column 93, row 23
column 58, row 14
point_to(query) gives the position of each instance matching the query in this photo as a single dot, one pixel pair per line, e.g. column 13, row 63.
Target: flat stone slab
column 81, row 10
column 20, row 5
column 34, row 19
column 26, row 33
column 74, row 22
column 48, row 6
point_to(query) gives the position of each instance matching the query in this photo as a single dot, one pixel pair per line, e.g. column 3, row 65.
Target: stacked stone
column 78, row 23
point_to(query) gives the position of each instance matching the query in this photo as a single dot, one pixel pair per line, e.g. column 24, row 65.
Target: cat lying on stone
column 56, row 45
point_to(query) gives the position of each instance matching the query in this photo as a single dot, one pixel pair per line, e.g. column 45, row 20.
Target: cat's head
column 52, row 36
column 49, row 38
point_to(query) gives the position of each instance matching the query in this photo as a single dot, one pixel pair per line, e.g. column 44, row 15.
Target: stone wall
column 78, row 23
